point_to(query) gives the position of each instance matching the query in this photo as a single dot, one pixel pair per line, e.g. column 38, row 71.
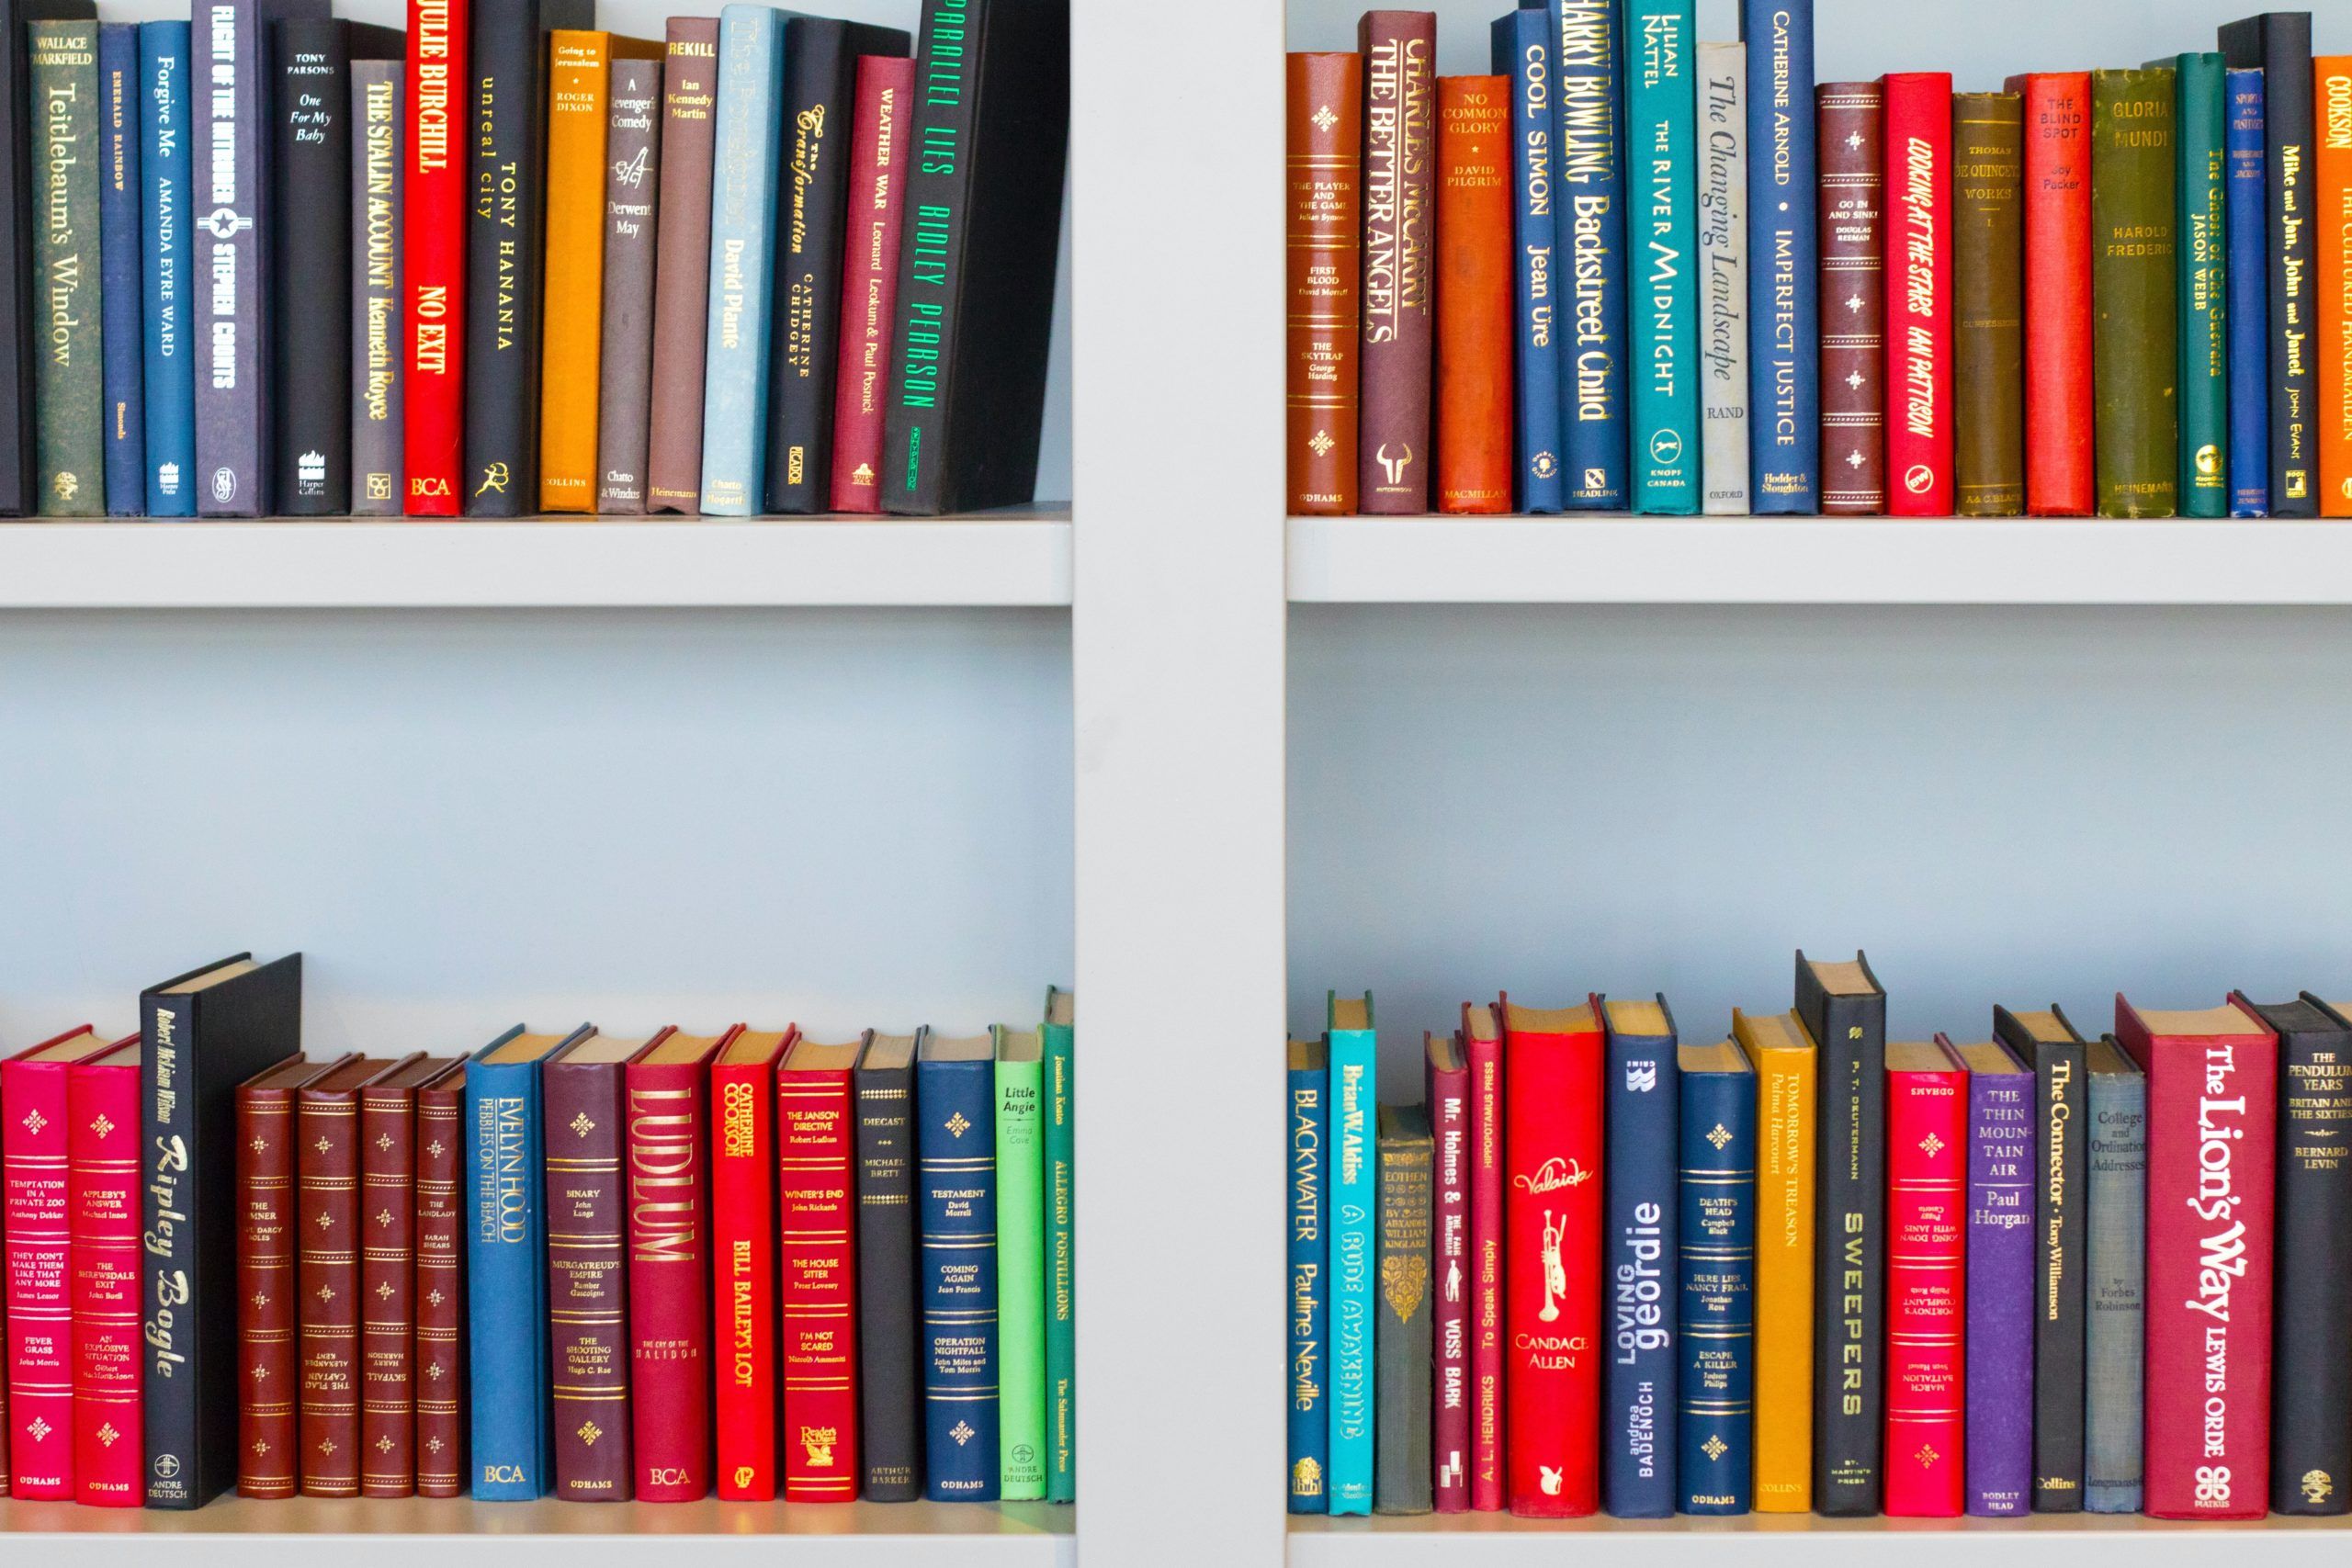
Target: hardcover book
column 1784, row 1061
column 2060, row 401
column 1988, row 303
column 119, row 265
column 1999, row 1280
column 1661, row 180
column 437, row 415
column 1783, row 280
column 1589, row 245
column 668, row 1265
column 742, row 1261
column 376, row 353
column 2279, row 44
column 2246, row 209
column 816, row 1152
column 19, row 287
column 1926, row 1295
column 1323, row 279
column 1401, row 1477
column 1349, row 1046
column 2048, row 1043
column 1474, row 294
column 167, row 378
column 1853, row 121
column 387, row 1149
column 1061, row 1246
column 2114, row 1257
column 869, row 279
column 625, row 370
column 2310, row 1417
column 955, row 1145
column 1724, row 286
column 1843, row 1009
column 441, row 1452
column 2135, row 288
column 2332, row 182
column 681, row 266
column 269, row 1364
column 1446, row 1083
column 70, row 382
column 1310, row 1420
column 1020, row 1263
column 1920, row 426
column 747, row 154
column 1399, row 291
column 890, row 1349
column 102, row 1114
column 1715, row 1411
column 2200, row 241
column 1523, row 55
column 1483, row 1043
column 1637, row 1479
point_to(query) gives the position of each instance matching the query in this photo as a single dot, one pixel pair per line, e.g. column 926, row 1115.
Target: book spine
column 743, row 1278
column 36, row 1220
column 376, row 352
column 119, row 265
column 1521, row 52
column 168, row 378
column 2060, row 403
column 1589, row 245
column 1851, row 124
column 1723, row 262
column 1485, row 1275
column 1919, row 430
column 2201, row 228
column 507, row 1306
column 440, row 1289
column 588, row 1298
column 869, row 280
column 1309, row 1418
column 2114, row 1259
column 681, row 266
column 2136, row 292
column 1662, row 178
column 1999, row 1248
column 69, row 377
column 632, row 151
column 2332, row 190
column 2311, row 1459
column 1638, row 1480
column 498, row 198
column 102, row 1111
column 266, row 1295
column 17, row 489
column 434, row 426
column 1449, row 1103
column 1783, row 281
column 1021, row 1279
column 1400, row 248
column 1061, row 1266
column 2289, row 109
column 1927, row 1247
column 579, row 79
column 233, row 395
column 1354, row 1201
column 748, row 131
column 1401, row 1467
column 310, row 227
column 1551, row 1143
column 1323, row 280
column 2247, row 211
column 387, row 1293
column 1715, row 1408
column 1849, row 1257
column 326, row 1273
column 816, row 1150
column 1784, row 1278
column 669, row 1281
column 1473, row 295
column 170, row 1288
column 955, row 1143
column 2060, row 1213
column 1989, row 304
column 890, row 1349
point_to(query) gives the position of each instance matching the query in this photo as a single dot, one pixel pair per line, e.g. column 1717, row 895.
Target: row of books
column 1629, row 271
column 564, row 1265
column 276, row 261
column 1806, row 1269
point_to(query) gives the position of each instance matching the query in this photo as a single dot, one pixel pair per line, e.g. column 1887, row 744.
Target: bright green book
column 1020, row 1263
column 2200, row 126
column 1061, row 1254
column 1662, row 248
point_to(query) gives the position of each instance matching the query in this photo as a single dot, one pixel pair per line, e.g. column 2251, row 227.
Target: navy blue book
column 956, row 1204
column 1589, row 216
column 119, row 248
column 1717, row 1425
column 2246, row 208
column 168, row 375
column 1783, row 281
column 1310, row 1414
column 1523, row 51
column 506, row 1267
column 1638, row 1401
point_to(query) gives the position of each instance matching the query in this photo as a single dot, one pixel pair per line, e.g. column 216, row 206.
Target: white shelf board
column 1656, row 560
column 1016, row 558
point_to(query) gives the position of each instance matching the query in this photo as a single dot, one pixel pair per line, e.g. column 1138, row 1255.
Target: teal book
column 1020, row 1264
column 747, row 141
column 1061, row 1252
column 2200, row 121
column 168, row 378
column 1355, row 1187
column 1662, row 240
column 69, row 387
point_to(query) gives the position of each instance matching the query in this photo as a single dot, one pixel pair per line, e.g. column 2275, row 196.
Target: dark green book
column 2201, row 124
column 69, row 386
column 1401, row 1479
column 2135, row 293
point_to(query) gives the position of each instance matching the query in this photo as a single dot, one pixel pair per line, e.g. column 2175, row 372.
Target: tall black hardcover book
column 2310, row 1396
column 977, row 255
column 2055, row 1050
column 2279, row 44
column 18, row 482
column 1844, row 1008
column 888, row 1349
column 201, row 1034
column 1401, row 1476
column 507, row 64
column 820, row 89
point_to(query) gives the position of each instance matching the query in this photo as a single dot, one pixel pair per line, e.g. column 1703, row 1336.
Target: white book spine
column 1723, row 258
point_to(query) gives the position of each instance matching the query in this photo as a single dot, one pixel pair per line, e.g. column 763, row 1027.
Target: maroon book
column 1851, row 130
column 266, row 1379
column 668, row 1265
column 681, row 266
column 388, row 1278
column 870, row 279
column 1400, row 258
column 441, row 1283
column 1449, row 1103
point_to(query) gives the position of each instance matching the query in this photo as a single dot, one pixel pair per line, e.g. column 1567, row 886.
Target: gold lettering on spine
column 662, row 1220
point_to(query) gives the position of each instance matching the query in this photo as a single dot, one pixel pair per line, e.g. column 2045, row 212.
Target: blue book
column 1638, row 1399
column 749, row 141
column 2247, row 213
column 1783, row 274
column 1716, row 1451
column 1310, row 1416
column 1354, row 1061
column 119, row 248
column 506, row 1267
column 955, row 1206
column 1523, row 50
column 1662, row 180
column 169, row 378
column 1589, row 217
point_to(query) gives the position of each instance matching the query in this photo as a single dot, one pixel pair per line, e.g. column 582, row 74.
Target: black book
column 19, row 483
column 1844, row 1009
column 976, row 257
column 2056, row 1051
column 890, row 1349
column 2279, row 44
column 1401, row 1476
column 820, row 92
column 505, row 214
column 201, row 1034
column 2310, row 1396
column 309, row 117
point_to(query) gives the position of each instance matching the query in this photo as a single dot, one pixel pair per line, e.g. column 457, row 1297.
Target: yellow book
column 1783, row 1057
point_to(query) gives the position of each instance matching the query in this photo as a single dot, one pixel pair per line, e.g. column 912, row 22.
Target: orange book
column 2334, row 228
column 1784, row 1056
column 577, row 80
column 1474, row 294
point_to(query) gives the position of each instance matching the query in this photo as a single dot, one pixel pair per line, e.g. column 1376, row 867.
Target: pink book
column 878, row 174
column 1483, row 1045
column 102, row 1182
column 1449, row 1102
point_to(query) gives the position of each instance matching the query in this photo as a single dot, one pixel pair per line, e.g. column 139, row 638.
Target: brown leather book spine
column 387, row 1299
column 681, row 266
column 267, row 1379
column 1325, row 116
column 587, row 1279
column 1399, row 257
column 326, row 1272
column 1475, row 263
column 440, row 1286
column 1988, row 294
column 1851, row 129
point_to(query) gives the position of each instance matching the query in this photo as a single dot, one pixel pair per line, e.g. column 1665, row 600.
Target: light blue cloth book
column 169, row 378
column 1354, row 1187
column 750, row 140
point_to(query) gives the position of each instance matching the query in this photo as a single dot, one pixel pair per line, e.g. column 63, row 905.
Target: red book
column 885, row 87
column 2212, row 1126
column 1927, row 1280
column 816, row 1143
column 1552, row 1296
column 1449, row 1101
column 669, row 1269
column 441, row 1284
column 742, row 1261
column 1477, row 263
column 102, row 1104
column 34, row 1149
column 267, row 1379
column 1918, row 295
column 433, row 258
column 388, row 1278
column 1483, row 1043
column 2060, row 476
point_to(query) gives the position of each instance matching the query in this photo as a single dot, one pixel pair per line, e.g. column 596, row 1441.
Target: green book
column 1662, row 251
column 2201, row 125
column 1061, row 1254
column 69, row 386
column 2135, row 293
column 1020, row 1263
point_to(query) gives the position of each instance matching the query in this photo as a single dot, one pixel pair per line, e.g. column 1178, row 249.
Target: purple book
column 1449, row 1102
column 2000, row 1281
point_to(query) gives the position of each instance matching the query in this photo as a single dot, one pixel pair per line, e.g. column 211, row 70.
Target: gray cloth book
column 2115, row 1255
column 378, row 130
column 68, row 381
column 633, row 159
column 1723, row 290
column 1401, row 1479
